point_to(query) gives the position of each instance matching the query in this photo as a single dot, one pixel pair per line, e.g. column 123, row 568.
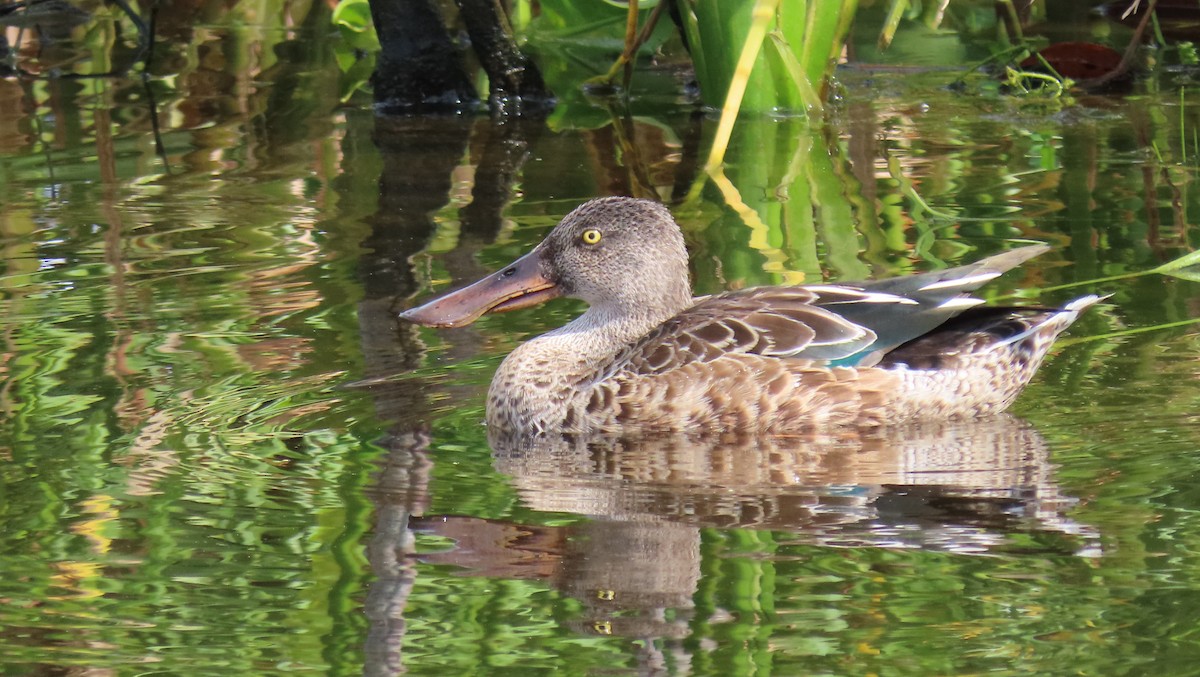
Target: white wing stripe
column 859, row 296
column 973, row 280
column 960, row 302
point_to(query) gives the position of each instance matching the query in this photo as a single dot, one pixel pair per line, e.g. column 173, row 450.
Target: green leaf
column 1182, row 267
column 354, row 15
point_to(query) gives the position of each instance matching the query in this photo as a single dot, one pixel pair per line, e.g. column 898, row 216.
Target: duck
column 648, row 356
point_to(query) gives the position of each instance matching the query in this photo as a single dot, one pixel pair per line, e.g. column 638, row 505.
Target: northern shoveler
column 647, row 355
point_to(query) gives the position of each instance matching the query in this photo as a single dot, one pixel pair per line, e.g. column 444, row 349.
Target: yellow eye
column 591, row 236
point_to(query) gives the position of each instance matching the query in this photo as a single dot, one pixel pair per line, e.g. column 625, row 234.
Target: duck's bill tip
column 433, row 317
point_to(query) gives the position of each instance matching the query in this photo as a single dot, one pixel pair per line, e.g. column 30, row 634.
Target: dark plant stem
column 419, row 69
column 1126, row 58
column 515, row 83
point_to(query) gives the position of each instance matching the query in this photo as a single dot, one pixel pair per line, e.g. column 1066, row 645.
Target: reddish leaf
column 1077, row 60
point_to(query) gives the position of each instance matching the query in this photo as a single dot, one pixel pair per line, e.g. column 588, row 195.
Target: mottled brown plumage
column 646, row 355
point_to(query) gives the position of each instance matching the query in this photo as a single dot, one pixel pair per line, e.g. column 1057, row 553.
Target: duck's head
column 616, row 253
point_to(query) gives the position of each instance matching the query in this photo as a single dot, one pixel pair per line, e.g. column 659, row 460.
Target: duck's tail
column 978, row 362
column 1055, row 323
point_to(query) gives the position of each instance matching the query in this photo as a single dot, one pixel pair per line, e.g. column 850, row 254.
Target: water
column 220, row 451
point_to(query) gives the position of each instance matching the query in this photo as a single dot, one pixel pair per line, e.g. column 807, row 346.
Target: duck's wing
column 778, row 322
column 836, row 325
column 935, row 296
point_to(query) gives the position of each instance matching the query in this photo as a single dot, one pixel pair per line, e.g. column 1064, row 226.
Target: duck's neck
column 611, row 326
column 542, row 374
column 579, row 347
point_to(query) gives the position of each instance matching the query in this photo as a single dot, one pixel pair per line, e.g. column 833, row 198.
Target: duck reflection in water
column 961, row 487
column 648, row 356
